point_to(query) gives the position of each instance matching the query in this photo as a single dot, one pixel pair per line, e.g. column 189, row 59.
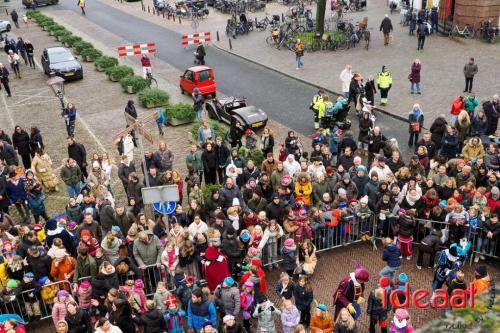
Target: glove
column 260, row 310
column 351, row 309
column 390, row 86
column 271, row 308
column 378, row 86
column 360, row 300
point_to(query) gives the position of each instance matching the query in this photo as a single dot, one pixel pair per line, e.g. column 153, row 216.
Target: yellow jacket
column 4, row 276
column 49, row 293
column 304, row 191
column 473, row 151
column 384, row 79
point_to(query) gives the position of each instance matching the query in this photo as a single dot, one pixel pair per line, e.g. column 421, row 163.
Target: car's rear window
column 203, row 76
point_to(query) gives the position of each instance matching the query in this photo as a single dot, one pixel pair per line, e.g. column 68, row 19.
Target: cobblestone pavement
column 442, row 59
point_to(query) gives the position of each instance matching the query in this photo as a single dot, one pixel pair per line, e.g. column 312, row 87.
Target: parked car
column 232, row 109
column 61, row 62
column 38, row 3
column 201, row 77
column 5, row 26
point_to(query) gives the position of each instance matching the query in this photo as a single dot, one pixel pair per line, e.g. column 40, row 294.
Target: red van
column 201, row 77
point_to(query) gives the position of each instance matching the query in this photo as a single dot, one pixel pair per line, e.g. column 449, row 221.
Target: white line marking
column 8, row 111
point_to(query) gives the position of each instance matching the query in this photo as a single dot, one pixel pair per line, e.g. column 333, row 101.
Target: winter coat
column 58, row 311
column 470, row 70
column 289, row 262
column 289, row 319
column 198, row 313
column 406, row 225
column 39, row 266
column 8, row 153
column 365, row 126
column 265, row 317
column 125, row 321
column 84, row 297
column 492, row 160
column 42, row 167
column 375, row 308
column 79, row 322
column 16, row 192
column 150, row 253
column 228, row 300
column 21, row 142
column 415, row 73
column 325, row 324
column 106, row 215
column 36, row 141
column 449, row 145
column 67, row 266
column 392, row 256
column 102, row 283
column 433, row 240
column 112, row 251
column 471, row 151
column 77, row 152
column 271, row 237
column 152, row 321
column 71, row 175
column 438, row 130
column 413, row 118
column 479, row 126
column 386, row 25
column 303, row 298
column 318, row 189
column 36, row 202
column 165, row 159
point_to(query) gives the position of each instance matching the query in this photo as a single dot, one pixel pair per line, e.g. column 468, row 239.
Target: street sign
column 166, row 208
column 157, row 194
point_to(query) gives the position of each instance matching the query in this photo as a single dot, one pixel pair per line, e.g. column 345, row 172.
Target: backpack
column 329, row 110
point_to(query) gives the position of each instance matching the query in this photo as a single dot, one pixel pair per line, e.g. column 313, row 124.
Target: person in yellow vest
column 81, row 4
column 384, row 82
column 316, row 101
column 327, row 114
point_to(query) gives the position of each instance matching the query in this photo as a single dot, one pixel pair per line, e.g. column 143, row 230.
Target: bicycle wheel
column 261, row 26
column 316, row 45
column 270, row 41
column 153, row 83
column 342, row 45
column 300, row 29
column 469, row 32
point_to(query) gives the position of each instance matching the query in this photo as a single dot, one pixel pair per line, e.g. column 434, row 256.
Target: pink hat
column 138, row 283
column 289, row 242
column 85, row 284
column 401, row 314
column 249, row 284
column 252, row 251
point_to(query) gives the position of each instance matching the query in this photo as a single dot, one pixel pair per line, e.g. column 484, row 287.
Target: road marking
column 8, row 111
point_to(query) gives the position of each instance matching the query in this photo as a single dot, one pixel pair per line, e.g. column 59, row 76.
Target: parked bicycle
column 152, row 83
column 262, row 25
column 467, row 32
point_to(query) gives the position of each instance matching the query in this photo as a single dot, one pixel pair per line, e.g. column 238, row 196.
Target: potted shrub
column 102, row 63
column 54, row 28
column 71, row 40
column 133, row 84
column 61, row 34
column 151, row 98
column 180, row 113
column 220, row 129
column 80, row 46
column 46, row 24
column 91, row 54
column 116, row 73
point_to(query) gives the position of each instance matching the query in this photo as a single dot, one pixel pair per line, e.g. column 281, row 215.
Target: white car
column 5, row 26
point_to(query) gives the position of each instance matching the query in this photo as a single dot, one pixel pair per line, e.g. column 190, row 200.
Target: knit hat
column 37, row 227
column 190, row 279
column 346, row 176
column 72, row 225
column 495, row 190
column 403, row 278
column 381, row 158
column 229, row 281
column 7, row 242
column 85, row 232
column 227, row 318
column 401, row 314
column 361, row 274
column 138, row 283
column 384, row 282
column 342, row 192
column 262, row 298
column 245, row 235
column 62, row 293
column 249, row 284
column 343, row 204
column 43, row 280
column 236, row 202
column 252, row 251
column 289, row 242
column 453, row 251
column 171, row 300
column 115, row 228
column 481, row 271
column 12, row 284
column 207, row 323
column 29, row 275
column 85, row 284
column 60, row 253
column 364, row 200
column 322, row 307
column 442, row 203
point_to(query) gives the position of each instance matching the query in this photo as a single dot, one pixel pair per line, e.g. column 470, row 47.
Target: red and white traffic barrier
column 195, row 38
column 136, row 49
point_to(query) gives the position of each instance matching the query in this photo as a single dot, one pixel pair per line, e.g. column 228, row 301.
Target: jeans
column 23, row 209
column 346, row 94
column 421, row 41
column 37, row 217
column 15, row 69
column 468, row 84
column 70, row 127
column 486, row 245
column 389, row 271
column 453, row 119
column 298, row 60
column 73, row 190
column 199, row 114
column 413, row 139
column 415, row 86
column 31, row 61
column 272, row 252
column 434, row 27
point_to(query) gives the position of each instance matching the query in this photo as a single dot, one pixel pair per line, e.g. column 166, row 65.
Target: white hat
column 60, row 253
column 236, row 202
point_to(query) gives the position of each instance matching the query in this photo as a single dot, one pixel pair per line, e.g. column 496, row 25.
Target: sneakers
column 476, row 259
column 419, row 267
column 482, row 257
column 408, row 258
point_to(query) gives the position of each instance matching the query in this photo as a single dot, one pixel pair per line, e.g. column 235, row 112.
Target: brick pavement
column 442, row 59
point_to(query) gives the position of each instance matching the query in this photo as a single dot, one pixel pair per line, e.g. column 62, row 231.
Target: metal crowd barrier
column 30, row 303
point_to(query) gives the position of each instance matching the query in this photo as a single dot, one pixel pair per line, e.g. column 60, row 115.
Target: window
column 203, row 76
column 189, row 76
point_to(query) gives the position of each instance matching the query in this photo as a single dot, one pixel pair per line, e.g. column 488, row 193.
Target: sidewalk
column 442, row 60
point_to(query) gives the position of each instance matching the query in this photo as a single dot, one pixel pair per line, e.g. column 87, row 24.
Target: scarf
column 412, row 199
column 171, row 316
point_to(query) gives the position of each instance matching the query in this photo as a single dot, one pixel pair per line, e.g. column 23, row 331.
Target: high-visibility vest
column 384, row 79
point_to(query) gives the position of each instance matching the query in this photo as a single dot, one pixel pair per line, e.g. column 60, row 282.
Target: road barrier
column 195, row 38
column 136, row 49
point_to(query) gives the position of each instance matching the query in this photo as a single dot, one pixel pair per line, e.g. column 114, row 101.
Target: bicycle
column 152, row 83
column 265, row 22
column 468, row 32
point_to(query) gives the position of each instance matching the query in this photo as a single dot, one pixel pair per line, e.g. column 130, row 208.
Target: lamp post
column 57, row 84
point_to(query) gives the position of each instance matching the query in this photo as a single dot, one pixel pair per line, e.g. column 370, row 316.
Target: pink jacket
column 84, row 296
column 58, row 312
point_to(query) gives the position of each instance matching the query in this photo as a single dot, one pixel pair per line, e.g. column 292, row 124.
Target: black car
column 232, row 109
column 38, row 3
column 61, row 62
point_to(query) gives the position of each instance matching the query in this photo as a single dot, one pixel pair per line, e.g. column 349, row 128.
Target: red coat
column 494, row 204
column 457, row 106
column 215, row 267
column 415, row 73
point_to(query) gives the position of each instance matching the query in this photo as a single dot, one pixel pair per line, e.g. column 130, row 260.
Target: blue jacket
column 172, row 320
column 198, row 313
column 36, row 202
column 16, row 192
column 201, row 136
column 449, row 145
column 479, row 127
column 391, row 255
column 303, row 298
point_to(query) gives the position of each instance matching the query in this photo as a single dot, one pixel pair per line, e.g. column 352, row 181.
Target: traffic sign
column 167, row 208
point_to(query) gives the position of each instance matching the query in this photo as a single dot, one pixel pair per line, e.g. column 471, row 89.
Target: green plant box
column 181, row 112
column 99, row 68
column 116, row 73
column 133, row 83
column 150, row 98
column 102, row 63
column 130, row 90
column 113, row 78
column 177, row 122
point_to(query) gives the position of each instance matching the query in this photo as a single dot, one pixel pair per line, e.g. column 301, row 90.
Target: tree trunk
column 320, row 16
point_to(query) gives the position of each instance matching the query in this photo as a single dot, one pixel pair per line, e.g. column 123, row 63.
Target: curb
column 309, row 83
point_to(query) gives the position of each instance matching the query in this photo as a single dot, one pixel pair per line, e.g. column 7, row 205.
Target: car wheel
column 210, row 110
column 182, row 90
column 7, row 28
